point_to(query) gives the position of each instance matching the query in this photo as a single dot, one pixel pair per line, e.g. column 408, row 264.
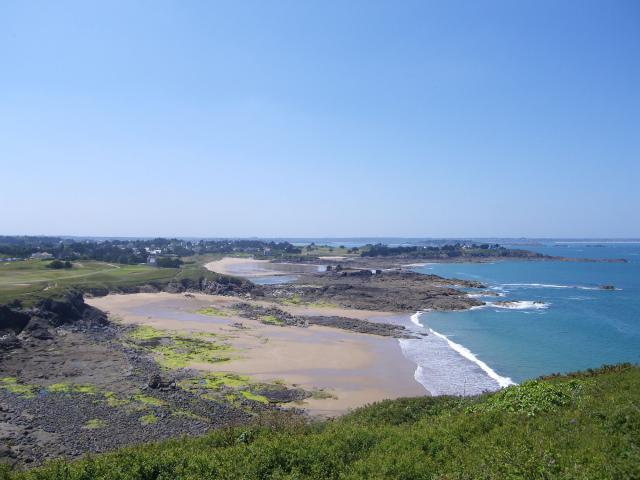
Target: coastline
column 353, row 369
column 252, row 268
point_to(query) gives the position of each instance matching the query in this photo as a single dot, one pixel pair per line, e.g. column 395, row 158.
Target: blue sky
column 320, row 118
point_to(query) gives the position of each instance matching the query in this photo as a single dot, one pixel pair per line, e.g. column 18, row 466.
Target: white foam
column 545, row 285
column 415, row 318
column 514, row 305
column 520, row 305
column 466, row 353
column 480, row 295
column 444, row 367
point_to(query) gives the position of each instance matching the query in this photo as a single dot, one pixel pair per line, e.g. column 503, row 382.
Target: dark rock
column 9, row 342
column 157, row 382
column 283, row 395
column 62, row 310
column 38, row 327
column 362, row 326
column 12, row 319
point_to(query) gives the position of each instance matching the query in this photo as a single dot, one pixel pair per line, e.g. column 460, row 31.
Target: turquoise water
column 575, row 326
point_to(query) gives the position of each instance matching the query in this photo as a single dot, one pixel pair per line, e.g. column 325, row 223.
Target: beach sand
column 356, row 368
column 252, row 268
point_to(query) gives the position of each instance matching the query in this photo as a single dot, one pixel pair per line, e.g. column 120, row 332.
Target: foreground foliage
column 583, row 426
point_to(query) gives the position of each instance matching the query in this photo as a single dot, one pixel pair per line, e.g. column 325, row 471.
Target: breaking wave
column 545, row 285
column 446, row 367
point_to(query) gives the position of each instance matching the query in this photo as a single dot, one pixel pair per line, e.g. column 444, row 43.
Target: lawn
column 28, row 279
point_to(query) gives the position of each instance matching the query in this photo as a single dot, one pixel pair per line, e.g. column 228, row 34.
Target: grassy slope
column 31, row 279
column 586, row 426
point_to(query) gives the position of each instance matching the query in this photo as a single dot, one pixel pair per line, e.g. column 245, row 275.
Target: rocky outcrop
column 393, row 291
column 363, row 326
column 12, row 319
column 257, row 312
column 39, row 322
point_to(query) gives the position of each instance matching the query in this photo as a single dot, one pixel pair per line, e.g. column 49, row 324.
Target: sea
column 558, row 319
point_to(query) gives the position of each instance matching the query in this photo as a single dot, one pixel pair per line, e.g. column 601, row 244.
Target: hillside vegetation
column 33, row 279
column 581, row 426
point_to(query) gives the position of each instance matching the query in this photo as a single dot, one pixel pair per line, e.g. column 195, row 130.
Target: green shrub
column 583, row 427
column 531, row 398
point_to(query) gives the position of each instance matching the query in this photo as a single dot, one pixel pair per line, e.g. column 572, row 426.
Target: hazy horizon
column 331, row 119
column 294, row 238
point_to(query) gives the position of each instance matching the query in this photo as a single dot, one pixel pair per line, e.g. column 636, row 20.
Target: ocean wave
column 520, row 305
column 466, row 353
column 546, row 285
column 514, row 305
column 445, row 367
column 488, row 294
column 415, row 318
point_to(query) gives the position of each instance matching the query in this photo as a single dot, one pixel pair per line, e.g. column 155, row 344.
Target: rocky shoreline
column 280, row 317
column 74, row 383
column 394, row 290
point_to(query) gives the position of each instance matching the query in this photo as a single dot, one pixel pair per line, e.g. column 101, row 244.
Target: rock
column 157, row 382
column 9, row 342
column 363, row 326
column 12, row 319
column 148, row 289
column 38, row 327
column 6, row 452
column 283, row 395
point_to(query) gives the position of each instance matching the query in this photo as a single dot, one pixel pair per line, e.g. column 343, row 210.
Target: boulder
column 38, row 327
column 9, row 342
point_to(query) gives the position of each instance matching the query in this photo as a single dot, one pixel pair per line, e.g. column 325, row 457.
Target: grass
column 254, row 397
column 325, row 251
column 215, row 381
column 585, row 426
column 31, row 279
column 174, row 350
column 213, row 312
column 114, row 401
column 94, row 424
column 293, row 300
column 71, row 388
column 271, row 320
column 229, row 386
column 11, row 385
column 148, row 419
column 135, row 402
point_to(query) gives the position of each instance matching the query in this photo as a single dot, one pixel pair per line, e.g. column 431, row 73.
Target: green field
column 30, row 279
column 585, row 426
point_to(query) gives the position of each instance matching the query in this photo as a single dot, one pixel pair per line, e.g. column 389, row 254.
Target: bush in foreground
column 586, row 426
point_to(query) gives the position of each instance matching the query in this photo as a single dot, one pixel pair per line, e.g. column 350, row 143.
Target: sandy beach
column 355, row 368
column 252, row 268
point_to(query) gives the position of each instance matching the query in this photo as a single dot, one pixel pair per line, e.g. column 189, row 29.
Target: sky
column 320, row 118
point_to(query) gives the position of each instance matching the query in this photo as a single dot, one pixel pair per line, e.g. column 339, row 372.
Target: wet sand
column 356, row 368
column 252, row 268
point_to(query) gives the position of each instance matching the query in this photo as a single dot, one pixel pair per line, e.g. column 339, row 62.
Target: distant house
column 41, row 256
column 152, row 260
